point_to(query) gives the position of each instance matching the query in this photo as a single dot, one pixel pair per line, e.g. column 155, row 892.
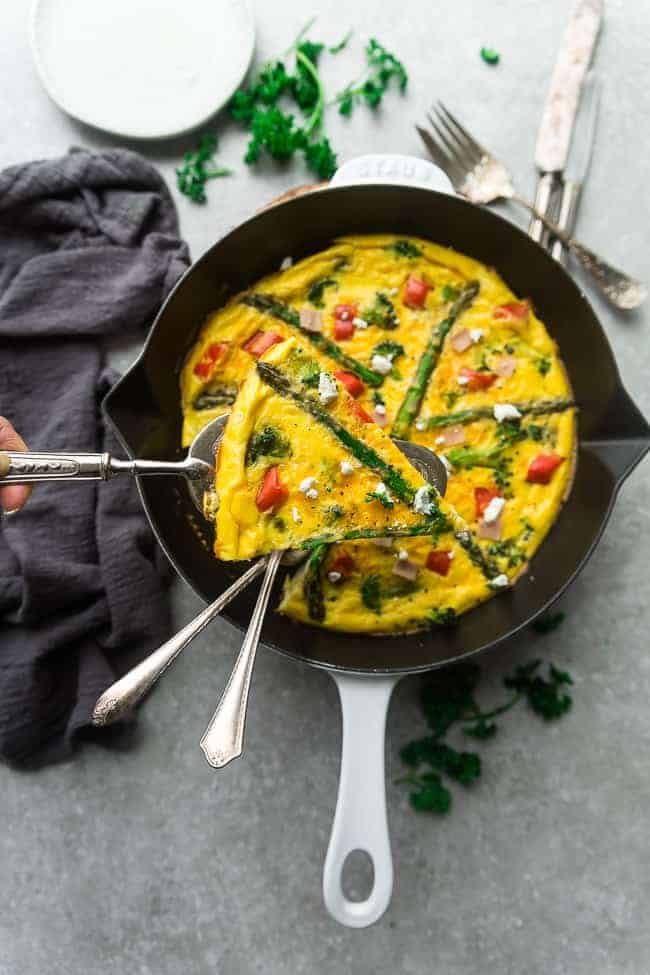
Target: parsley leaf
column 382, row 313
column 490, row 56
column 192, row 176
column 545, row 697
column 404, row 248
column 451, row 701
column 393, row 350
column 382, row 69
column 337, row 48
column 382, row 497
column 315, row 293
column 548, row 622
column 450, row 293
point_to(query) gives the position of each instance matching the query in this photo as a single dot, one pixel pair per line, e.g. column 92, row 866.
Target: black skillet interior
column 144, row 408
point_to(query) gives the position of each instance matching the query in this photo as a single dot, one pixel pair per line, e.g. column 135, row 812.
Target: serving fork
column 482, row 178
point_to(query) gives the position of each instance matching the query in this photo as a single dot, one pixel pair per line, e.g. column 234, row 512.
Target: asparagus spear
column 468, row 457
column 488, row 567
column 269, row 305
column 391, row 476
column 312, row 583
column 437, row 524
column 215, row 396
column 487, row 412
column 415, row 393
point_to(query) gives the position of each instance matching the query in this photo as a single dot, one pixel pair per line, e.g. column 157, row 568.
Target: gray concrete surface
column 142, row 860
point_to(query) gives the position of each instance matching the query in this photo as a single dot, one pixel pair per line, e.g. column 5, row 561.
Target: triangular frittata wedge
column 391, row 585
column 301, row 461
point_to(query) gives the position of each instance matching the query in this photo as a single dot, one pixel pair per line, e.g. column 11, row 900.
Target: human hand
column 13, row 496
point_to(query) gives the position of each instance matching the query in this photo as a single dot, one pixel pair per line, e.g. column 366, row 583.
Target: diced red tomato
column 540, row 469
column 272, row 492
column 343, row 329
column 482, row 498
column 259, row 343
column 343, row 563
column 476, row 380
column 208, row 360
column 514, row 311
column 439, row 561
column 351, row 382
column 345, row 313
column 360, row 412
column 416, row 291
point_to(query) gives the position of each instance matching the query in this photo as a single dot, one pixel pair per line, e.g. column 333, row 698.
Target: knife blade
column 561, row 105
column 578, row 160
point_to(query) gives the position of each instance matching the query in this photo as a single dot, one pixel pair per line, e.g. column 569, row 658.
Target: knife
column 578, row 160
column 561, row 105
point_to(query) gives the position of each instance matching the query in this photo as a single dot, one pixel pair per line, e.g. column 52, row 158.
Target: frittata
column 433, row 347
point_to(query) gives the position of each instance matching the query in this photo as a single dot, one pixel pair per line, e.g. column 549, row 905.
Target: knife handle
column 567, row 217
column 547, row 186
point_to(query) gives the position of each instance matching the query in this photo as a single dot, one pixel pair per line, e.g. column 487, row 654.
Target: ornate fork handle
column 122, row 696
column 31, row 467
column 622, row 290
column 223, row 739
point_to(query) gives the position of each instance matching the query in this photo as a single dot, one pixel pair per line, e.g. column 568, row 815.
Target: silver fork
column 481, row 178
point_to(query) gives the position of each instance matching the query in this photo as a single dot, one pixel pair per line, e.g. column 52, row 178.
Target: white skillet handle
column 360, row 821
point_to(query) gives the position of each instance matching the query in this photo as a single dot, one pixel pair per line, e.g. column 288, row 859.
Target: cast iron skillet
column 144, row 409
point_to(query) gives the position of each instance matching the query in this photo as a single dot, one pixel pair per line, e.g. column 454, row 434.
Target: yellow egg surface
column 439, row 351
column 300, row 461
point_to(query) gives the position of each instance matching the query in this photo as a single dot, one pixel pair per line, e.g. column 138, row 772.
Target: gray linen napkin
column 89, row 247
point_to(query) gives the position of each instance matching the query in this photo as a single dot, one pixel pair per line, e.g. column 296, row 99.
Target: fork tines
column 451, row 146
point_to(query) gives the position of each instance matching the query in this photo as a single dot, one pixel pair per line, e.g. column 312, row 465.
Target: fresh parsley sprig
column 275, row 132
column 277, row 129
column 382, row 69
column 445, row 705
column 199, row 167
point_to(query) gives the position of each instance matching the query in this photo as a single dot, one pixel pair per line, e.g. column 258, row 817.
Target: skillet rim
column 618, row 386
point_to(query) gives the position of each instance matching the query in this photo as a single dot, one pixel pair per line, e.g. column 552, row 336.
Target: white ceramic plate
column 144, row 69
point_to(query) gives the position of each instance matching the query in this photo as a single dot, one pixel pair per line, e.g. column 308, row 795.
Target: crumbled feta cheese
column 462, row 380
column 360, row 322
column 381, row 488
column 346, row 468
column 422, row 503
column 440, row 440
column 286, row 264
column 420, row 425
column 312, row 494
column 450, row 554
column 381, row 409
column 493, row 510
column 393, row 291
column 506, row 411
column 334, row 576
column 402, row 554
column 381, row 364
column 476, row 334
column 499, row 581
column 306, row 484
column 327, row 388
column 295, row 515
